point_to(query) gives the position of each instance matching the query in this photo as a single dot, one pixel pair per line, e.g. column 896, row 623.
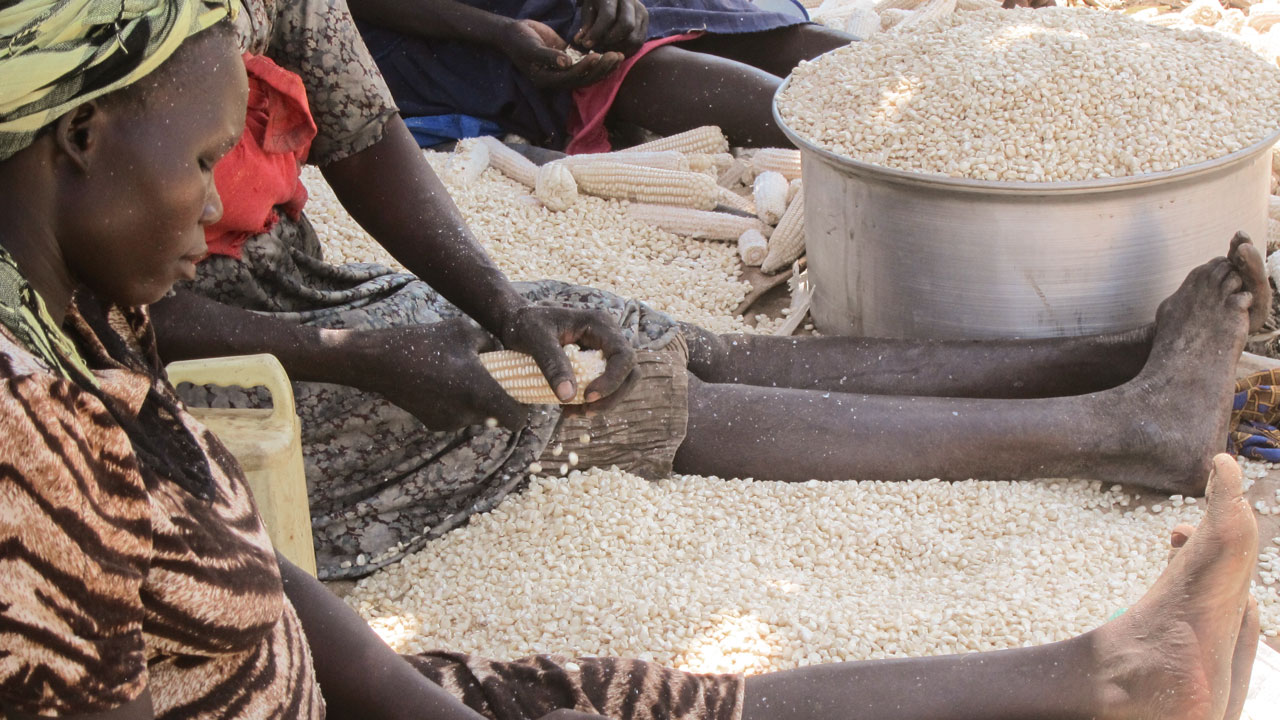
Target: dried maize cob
column 968, row 4
column 511, row 163
column 666, row 159
column 792, row 188
column 862, row 23
column 932, row 10
column 523, row 380
column 1203, row 12
column 1263, row 15
column 731, row 199
column 770, row 194
column 752, row 248
column 898, row 5
column 649, row 185
column 739, row 172
column 780, row 160
column 1273, row 207
column 705, row 139
column 893, row 17
column 469, row 160
column 556, row 186
column 696, row 223
column 787, row 242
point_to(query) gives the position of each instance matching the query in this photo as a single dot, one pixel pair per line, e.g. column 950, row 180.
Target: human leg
column 1157, row 430
column 1180, row 653
column 671, row 90
column 777, row 52
column 988, row 369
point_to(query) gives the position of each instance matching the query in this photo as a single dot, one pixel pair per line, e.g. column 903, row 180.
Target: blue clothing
column 435, row 77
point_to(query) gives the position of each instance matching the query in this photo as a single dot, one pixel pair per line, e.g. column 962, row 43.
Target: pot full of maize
column 962, row 181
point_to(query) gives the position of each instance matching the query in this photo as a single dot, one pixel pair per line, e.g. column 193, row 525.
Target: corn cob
column 649, row 185
column 523, row 380
column 787, row 241
column 968, row 4
column 666, row 159
column 893, row 17
column 511, row 163
column 793, row 187
column 739, row 172
column 469, row 160
column 705, row 139
column 731, row 199
column 752, row 248
column 556, row 187
column 780, row 160
column 931, row 10
column 696, row 223
column 898, row 5
column 1263, row 16
column 1273, row 207
column 862, row 23
column 770, row 193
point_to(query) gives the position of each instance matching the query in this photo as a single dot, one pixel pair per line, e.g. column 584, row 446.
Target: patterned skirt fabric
column 381, row 484
column 529, row 688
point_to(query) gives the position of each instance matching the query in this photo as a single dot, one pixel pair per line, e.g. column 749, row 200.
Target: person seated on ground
column 140, row 583
column 663, row 65
column 393, row 400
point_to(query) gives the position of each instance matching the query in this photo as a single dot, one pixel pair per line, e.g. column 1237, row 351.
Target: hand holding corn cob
column 574, row 377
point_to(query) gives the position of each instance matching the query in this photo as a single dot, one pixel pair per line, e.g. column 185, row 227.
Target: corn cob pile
column 595, row 242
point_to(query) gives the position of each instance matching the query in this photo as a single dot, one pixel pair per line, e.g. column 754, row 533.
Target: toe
column 1180, row 534
column 1226, row 482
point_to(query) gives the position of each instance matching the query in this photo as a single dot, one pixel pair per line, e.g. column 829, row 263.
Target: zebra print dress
column 112, row 585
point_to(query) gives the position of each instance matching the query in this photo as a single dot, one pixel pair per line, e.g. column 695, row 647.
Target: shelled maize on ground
column 724, row 575
column 727, row 575
column 720, row 575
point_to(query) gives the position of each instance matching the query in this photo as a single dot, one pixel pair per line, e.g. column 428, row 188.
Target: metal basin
column 909, row 255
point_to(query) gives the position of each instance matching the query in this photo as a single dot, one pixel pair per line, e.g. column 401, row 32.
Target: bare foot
column 1180, row 652
column 1246, row 641
column 1180, row 403
column 1248, row 261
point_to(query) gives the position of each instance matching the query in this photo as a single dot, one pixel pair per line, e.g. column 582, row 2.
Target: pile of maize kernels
column 715, row 575
column 732, row 575
column 1059, row 94
column 710, row 574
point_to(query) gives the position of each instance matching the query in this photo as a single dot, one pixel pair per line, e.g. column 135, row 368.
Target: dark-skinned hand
column 434, row 372
column 539, row 54
column 542, row 331
column 621, row 25
column 1036, row 4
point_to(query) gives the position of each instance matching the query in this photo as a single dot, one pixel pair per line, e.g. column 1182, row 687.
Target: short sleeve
column 75, row 543
column 318, row 40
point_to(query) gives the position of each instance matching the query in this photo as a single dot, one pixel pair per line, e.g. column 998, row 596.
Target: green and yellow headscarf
column 56, row 54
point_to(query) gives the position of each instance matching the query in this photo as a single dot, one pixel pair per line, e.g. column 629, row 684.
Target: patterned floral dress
column 381, row 484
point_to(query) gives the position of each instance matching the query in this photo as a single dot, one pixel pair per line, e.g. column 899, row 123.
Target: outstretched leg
column 1179, row 653
column 775, row 51
column 671, row 90
column 980, row 369
column 1157, row 430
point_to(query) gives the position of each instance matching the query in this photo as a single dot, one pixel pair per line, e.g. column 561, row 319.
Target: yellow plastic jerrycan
column 267, row 443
